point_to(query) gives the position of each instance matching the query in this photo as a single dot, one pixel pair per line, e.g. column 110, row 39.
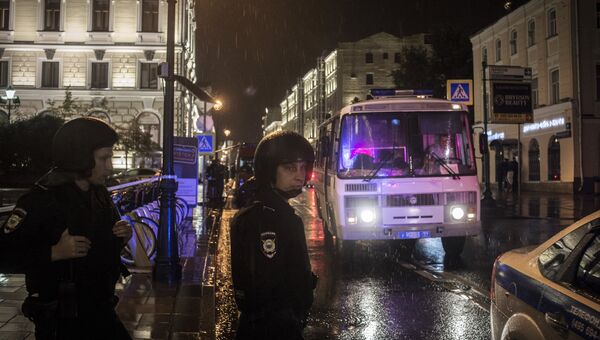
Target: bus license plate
column 413, row 234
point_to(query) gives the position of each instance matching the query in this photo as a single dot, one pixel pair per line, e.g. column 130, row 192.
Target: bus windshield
column 405, row 144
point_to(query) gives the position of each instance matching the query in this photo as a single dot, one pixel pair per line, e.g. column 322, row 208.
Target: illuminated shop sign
column 544, row 125
column 495, row 135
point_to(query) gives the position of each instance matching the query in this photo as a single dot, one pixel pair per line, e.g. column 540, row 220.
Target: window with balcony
column 100, row 15
column 148, row 76
column 554, row 87
column 552, row 23
column 99, row 75
column 3, row 73
column 51, row 15
column 531, row 33
column 50, row 74
column 513, row 42
column 369, row 58
column 498, row 50
column 149, row 15
column 4, row 15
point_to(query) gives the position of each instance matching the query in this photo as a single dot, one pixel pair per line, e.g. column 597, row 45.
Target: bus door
column 331, row 170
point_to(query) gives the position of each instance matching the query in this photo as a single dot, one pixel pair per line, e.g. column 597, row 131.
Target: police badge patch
column 14, row 220
column 268, row 244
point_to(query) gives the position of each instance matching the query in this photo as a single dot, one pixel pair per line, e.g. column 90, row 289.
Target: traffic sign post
column 460, row 91
column 206, row 143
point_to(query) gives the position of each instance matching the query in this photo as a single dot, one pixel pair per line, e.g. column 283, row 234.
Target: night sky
column 252, row 51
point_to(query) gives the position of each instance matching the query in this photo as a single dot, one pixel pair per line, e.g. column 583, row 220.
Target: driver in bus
column 443, row 149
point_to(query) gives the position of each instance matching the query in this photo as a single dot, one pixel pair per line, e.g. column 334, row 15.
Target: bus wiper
column 374, row 172
column 445, row 165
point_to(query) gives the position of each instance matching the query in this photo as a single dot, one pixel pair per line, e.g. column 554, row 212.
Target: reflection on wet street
column 389, row 291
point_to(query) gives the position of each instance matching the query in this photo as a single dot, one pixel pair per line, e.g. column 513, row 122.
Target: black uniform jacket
column 37, row 222
column 269, row 259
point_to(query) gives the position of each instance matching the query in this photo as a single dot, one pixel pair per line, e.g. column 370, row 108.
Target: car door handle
column 556, row 321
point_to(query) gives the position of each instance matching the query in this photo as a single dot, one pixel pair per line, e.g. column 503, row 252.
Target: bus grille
column 354, row 187
column 463, row 197
column 409, row 200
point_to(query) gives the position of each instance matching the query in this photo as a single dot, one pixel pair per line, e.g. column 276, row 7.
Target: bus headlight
column 367, row 215
column 457, row 213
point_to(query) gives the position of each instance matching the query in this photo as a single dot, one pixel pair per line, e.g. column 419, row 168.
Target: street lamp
column 11, row 100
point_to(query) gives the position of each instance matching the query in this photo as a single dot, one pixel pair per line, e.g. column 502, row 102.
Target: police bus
column 400, row 166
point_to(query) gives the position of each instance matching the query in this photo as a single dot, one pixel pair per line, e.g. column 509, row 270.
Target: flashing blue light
column 395, row 121
column 382, row 92
column 423, row 92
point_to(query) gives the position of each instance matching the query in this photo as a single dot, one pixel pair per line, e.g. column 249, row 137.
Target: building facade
column 341, row 77
column 560, row 41
column 103, row 53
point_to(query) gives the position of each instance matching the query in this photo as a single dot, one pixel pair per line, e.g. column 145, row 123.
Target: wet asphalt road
column 387, row 292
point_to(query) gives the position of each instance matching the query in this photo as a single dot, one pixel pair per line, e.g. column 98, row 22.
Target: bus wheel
column 453, row 246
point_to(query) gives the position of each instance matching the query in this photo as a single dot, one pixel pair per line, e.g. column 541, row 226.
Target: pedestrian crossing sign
column 460, row 91
column 206, row 143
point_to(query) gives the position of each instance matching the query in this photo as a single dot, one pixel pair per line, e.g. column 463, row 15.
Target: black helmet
column 74, row 143
column 277, row 148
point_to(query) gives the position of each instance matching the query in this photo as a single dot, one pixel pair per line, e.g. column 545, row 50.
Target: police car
column 551, row 291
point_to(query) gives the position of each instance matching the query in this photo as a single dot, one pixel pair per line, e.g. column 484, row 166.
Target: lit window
column 4, row 14
column 552, row 22
column 513, row 42
column 52, row 15
column 554, row 87
column 149, row 15
column 148, row 76
column 50, row 74
column 99, row 75
column 100, row 14
column 531, row 33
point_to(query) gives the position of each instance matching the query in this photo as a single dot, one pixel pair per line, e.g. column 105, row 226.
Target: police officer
column 271, row 271
column 66, row 236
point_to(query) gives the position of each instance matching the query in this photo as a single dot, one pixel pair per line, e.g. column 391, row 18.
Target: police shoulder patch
column 14, row 220
column 268, row 244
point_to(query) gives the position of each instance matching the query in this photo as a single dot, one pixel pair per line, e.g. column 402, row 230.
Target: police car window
column 588, row 271
column 552, row 258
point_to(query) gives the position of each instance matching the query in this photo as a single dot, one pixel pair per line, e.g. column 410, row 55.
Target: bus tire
column 453, row 246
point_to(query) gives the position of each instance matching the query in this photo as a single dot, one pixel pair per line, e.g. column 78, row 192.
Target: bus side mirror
column 324, row 146
column 483, row 144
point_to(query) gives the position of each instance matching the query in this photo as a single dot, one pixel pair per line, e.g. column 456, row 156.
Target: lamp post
column 167, row 267
column 12, row 101
column 487, row 199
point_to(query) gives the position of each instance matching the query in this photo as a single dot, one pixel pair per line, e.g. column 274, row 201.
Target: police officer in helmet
column 271, row 271
column 66, row 236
